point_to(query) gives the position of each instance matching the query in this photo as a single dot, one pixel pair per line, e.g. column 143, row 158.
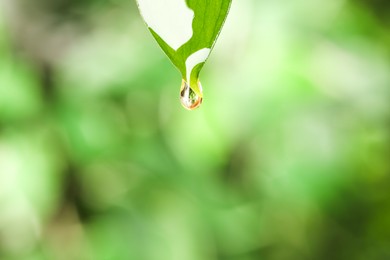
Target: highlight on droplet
column 188, row 97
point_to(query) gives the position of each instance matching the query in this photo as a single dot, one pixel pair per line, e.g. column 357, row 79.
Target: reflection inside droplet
column 188, row 97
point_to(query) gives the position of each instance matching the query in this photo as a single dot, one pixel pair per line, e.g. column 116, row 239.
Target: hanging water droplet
column 188, row 97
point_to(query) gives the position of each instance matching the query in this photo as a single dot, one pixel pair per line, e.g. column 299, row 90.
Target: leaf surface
column 202, row 20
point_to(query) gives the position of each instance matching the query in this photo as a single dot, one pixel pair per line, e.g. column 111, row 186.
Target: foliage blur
column 288, row 158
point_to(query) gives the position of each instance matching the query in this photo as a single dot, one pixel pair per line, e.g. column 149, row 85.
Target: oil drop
column 188, row 97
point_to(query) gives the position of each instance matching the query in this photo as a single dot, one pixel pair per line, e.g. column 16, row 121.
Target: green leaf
column 186, row 30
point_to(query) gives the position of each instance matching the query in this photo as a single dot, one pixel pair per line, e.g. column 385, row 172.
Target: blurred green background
column 288, row 158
